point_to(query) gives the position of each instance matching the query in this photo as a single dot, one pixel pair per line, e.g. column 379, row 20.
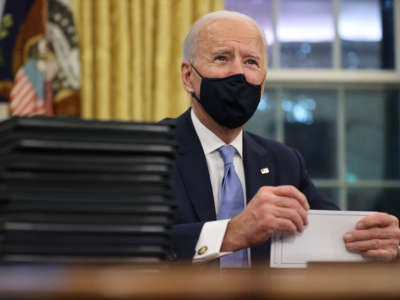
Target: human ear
column 186, row 76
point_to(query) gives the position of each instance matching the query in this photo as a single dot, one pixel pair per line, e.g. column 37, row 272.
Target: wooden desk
column 319, row 281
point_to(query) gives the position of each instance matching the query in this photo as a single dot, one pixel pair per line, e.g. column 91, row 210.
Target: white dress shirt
column 212, row 233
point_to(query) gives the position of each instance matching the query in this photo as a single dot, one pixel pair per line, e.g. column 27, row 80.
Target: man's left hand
column 375, row 236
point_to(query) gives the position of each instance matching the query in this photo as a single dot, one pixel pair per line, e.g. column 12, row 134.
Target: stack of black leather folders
column 85, row 191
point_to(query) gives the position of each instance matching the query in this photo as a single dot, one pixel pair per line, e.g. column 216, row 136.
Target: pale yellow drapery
column 131, row 55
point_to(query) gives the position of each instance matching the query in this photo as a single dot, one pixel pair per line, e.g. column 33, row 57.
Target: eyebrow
column 229, row 51
column 255, row 56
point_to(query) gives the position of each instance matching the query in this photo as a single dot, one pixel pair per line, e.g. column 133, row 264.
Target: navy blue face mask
column 230, row 101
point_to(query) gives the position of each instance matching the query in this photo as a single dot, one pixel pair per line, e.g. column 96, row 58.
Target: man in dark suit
column 224, row 71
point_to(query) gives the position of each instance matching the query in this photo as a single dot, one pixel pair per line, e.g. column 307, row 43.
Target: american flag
column 28, row 92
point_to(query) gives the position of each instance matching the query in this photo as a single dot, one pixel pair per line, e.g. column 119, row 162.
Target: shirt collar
column 209, row 141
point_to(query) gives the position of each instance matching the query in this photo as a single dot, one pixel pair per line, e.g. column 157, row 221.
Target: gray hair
column 190, row 42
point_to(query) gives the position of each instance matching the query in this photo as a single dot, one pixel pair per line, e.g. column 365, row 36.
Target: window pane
column 263, row 121
column 306, row 32
column 372, row 135
column 261, row 11
column 375, row 199
column 310, row 127
column 364, row 45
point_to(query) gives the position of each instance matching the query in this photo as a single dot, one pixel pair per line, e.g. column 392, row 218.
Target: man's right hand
column 281, row 208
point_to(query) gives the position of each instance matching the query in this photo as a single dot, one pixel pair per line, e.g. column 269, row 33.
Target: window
column 305, row 32
column 333, row 92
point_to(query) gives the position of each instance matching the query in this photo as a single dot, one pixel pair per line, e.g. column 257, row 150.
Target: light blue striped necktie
column 232, row 203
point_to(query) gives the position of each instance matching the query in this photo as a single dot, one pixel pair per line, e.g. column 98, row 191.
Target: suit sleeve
column 187, row 228
column 184, row 239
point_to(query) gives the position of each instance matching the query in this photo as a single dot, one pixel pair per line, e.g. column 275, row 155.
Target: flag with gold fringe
column 63, row 62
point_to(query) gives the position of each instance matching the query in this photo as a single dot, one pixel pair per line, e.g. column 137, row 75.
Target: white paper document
column 321, row 240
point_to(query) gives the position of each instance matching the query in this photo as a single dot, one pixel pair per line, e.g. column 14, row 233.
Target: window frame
column 340, row 80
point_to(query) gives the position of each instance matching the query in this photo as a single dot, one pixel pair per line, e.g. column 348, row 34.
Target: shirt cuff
column 210, row 240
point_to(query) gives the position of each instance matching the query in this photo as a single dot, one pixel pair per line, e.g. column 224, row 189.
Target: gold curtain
column 131, row 55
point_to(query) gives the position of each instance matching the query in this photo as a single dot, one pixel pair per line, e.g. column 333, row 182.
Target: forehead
column 229, row 32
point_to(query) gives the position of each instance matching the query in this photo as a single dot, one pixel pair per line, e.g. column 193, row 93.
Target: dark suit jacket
column 192, row 187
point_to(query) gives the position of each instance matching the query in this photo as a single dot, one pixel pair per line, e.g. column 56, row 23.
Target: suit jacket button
column 202, row 250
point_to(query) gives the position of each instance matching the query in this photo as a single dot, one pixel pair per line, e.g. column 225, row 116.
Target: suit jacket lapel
column 256, row 158
column 192, row 165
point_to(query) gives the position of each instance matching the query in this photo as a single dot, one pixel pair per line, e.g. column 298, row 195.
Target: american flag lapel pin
column 264, row 171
